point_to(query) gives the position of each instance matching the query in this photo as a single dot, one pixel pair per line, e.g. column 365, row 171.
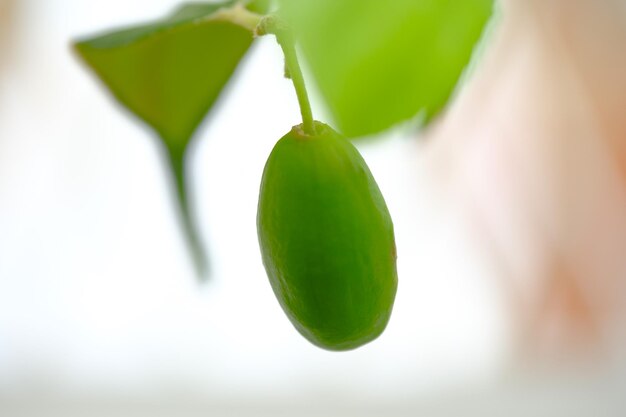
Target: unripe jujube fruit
column 327, row 239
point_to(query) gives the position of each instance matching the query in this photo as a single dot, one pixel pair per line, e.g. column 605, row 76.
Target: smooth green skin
column 327, row 239
column 381, row 62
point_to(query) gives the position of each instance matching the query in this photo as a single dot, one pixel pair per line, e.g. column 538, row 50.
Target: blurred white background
column 100, row 311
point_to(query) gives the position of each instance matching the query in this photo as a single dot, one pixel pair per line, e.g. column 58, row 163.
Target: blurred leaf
column 170, row 72
column 260, row 6
column 381, row 62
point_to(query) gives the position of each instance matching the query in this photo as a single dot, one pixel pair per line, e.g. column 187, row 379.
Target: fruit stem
column 284, row 36
column 176, row 160
column 292, row 64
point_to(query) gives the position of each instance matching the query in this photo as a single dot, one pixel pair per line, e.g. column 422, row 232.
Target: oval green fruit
column 327, row 239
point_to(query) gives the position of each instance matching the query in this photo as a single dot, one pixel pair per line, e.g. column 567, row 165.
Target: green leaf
column 260, row 6
column 378, row 63
column 170, row 72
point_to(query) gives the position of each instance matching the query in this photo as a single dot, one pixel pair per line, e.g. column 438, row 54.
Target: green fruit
column 327, row 239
